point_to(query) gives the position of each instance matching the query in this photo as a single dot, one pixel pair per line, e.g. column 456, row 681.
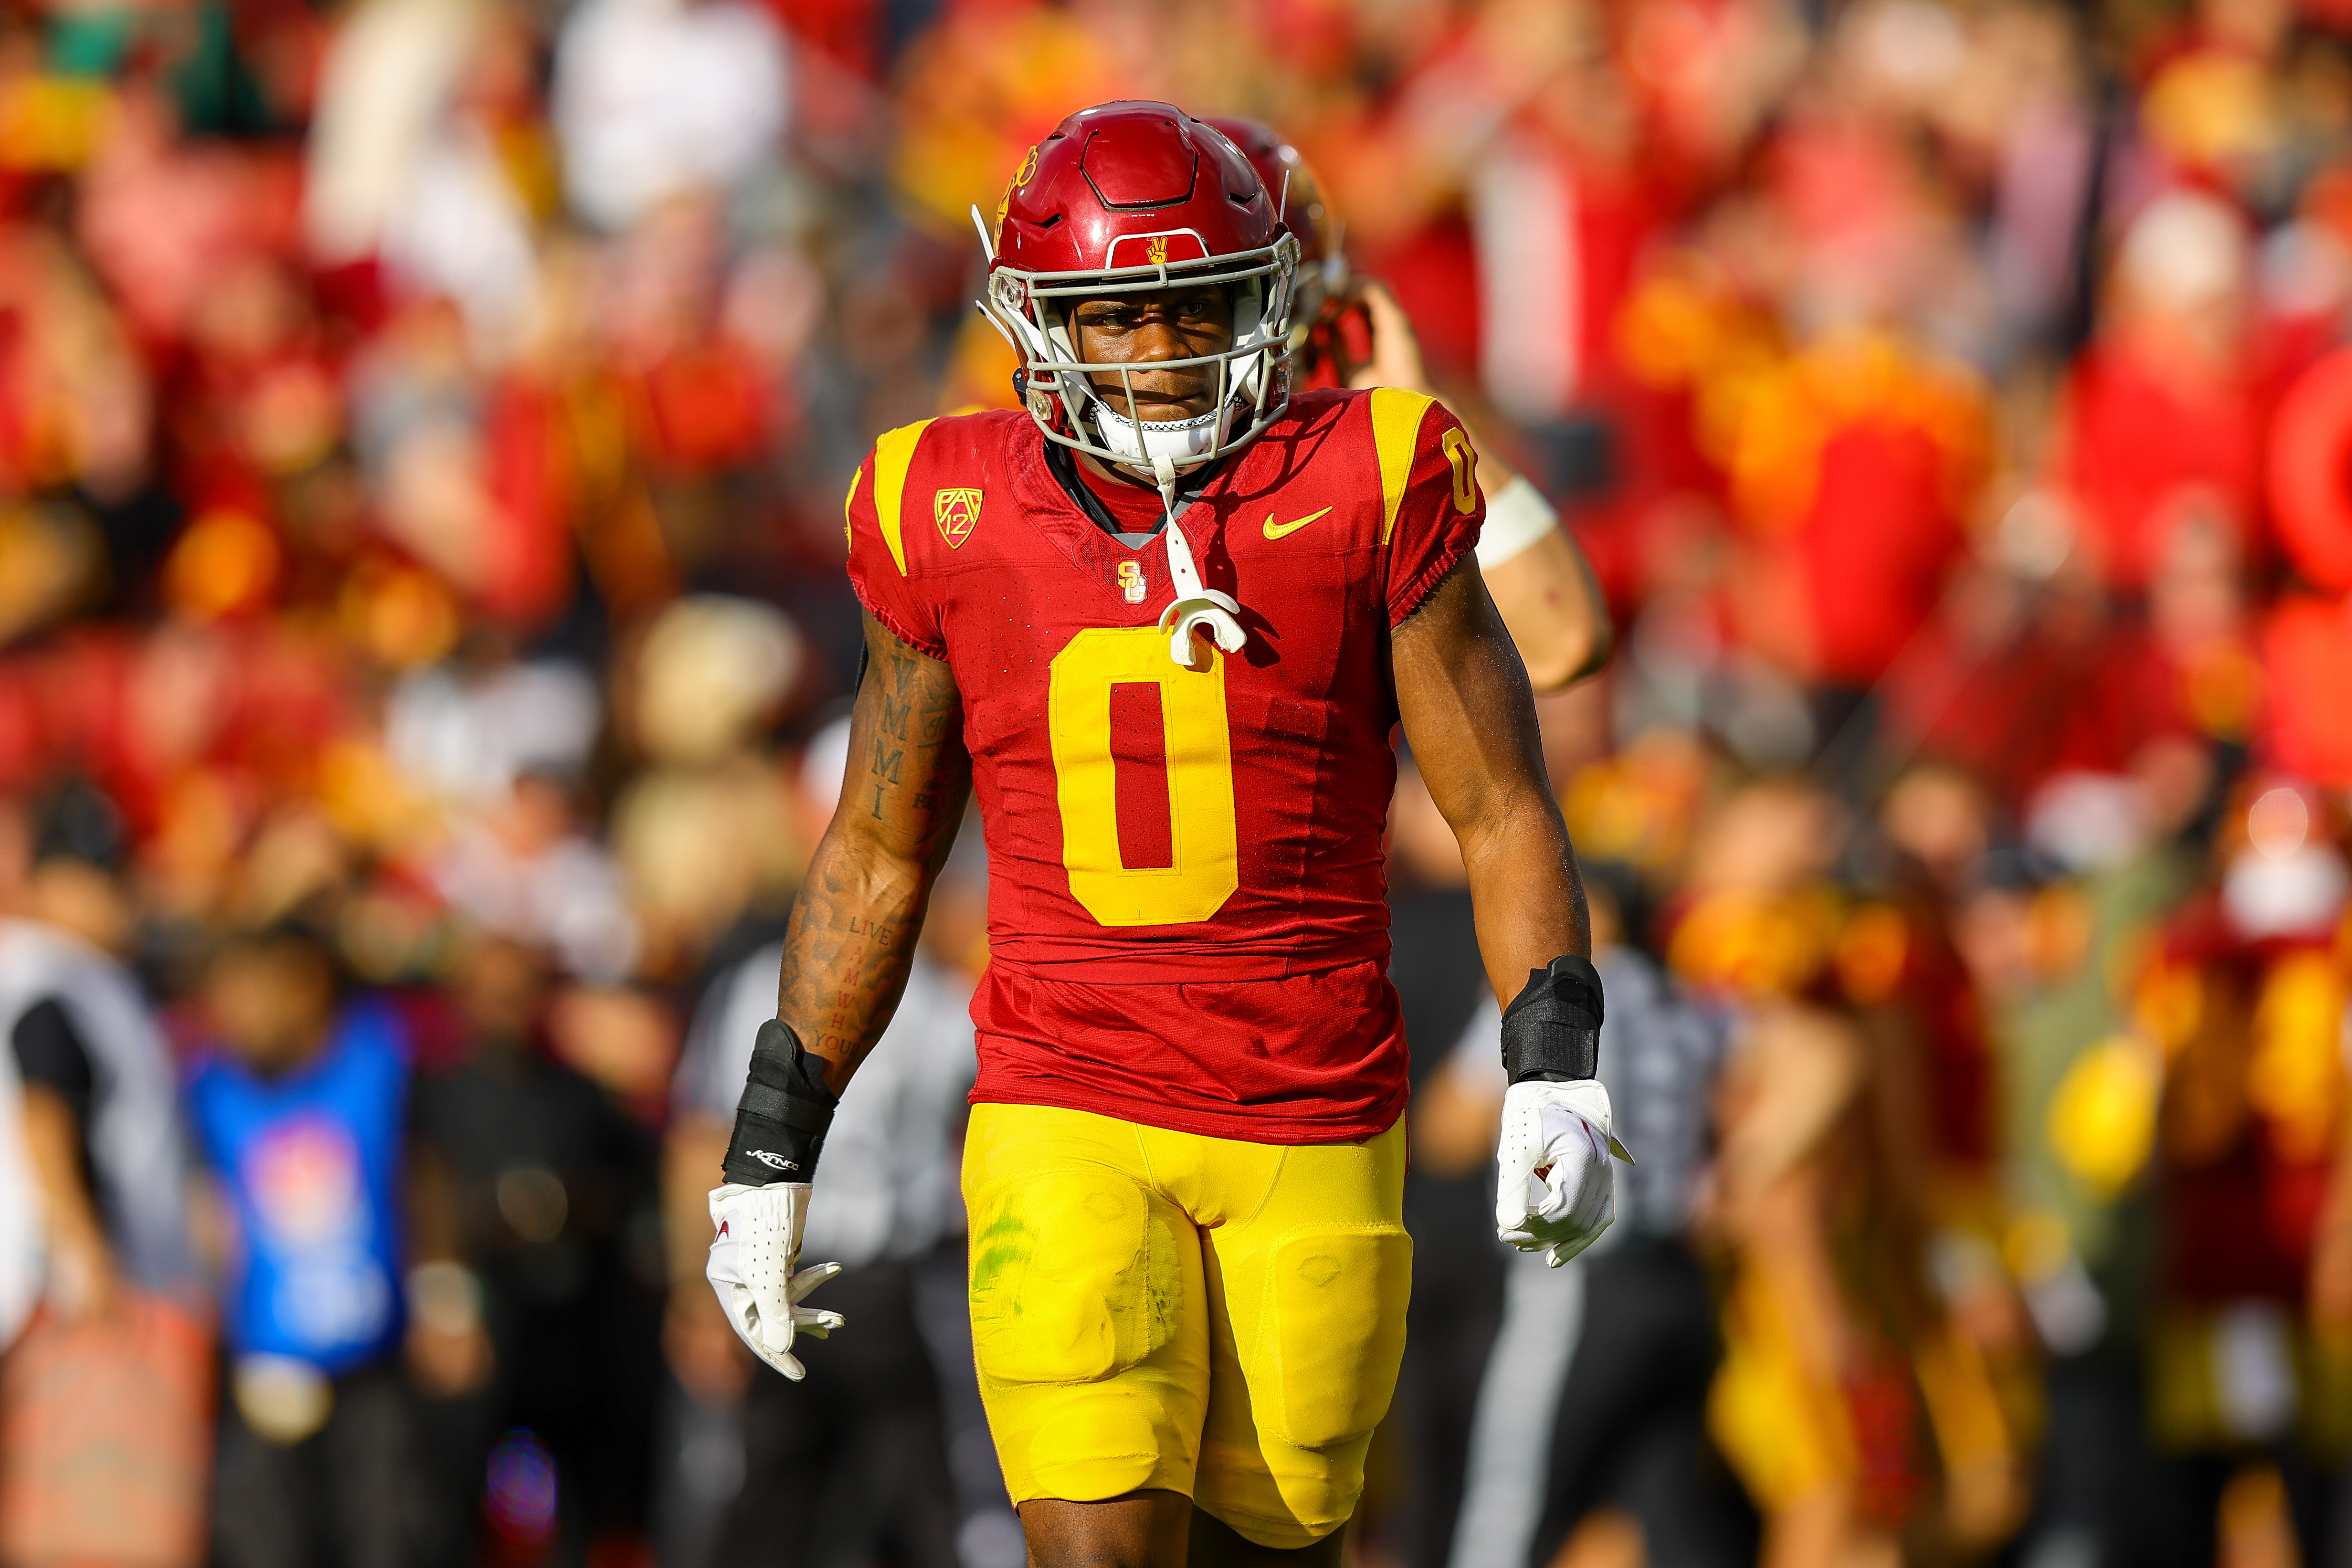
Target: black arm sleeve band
column 1553, row 1031
column 780, row 1121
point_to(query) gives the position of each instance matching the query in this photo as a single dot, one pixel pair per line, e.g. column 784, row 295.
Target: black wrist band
column 780, row 1121
column 1552, row 1032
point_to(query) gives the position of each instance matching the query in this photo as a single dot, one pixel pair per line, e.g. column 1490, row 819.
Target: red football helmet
column 1135, row 197
column 1322, row 265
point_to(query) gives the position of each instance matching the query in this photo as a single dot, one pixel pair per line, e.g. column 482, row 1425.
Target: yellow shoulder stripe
column 1396, row 430
column 894, row 454
column 849, row 528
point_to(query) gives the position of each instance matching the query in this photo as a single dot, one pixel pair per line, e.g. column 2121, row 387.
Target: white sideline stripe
column 1518, row 1400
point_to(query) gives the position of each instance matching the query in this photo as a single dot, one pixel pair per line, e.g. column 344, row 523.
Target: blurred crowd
column 423, row 643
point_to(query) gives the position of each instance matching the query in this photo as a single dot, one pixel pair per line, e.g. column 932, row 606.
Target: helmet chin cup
column 1140, row 444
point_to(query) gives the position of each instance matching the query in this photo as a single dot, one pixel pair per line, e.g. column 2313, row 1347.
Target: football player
column 1159, row 623
column 1349, row 331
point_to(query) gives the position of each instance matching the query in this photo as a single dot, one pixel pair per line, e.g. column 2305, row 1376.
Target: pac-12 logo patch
column 957, row 513
column 1130, row 582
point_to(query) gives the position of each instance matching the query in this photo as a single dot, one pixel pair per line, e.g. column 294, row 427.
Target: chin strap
column 1197, row 609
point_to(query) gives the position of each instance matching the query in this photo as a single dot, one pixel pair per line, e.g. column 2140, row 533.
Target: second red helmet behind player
column 1322, row 283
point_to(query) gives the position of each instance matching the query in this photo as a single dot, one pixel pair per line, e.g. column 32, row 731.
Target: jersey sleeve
column 50, row 1054
column 881, row 569
column 1431, row 504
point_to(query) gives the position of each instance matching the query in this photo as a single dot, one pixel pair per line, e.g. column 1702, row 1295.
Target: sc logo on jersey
column 957, row 513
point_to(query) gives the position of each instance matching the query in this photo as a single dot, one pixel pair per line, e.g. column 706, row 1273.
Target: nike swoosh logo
column 1284, row 529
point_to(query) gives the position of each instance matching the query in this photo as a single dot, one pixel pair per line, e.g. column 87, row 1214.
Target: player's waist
column 1214, row 955
column 1315, row 1058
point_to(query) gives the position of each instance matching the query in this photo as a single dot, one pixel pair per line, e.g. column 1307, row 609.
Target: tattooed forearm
column 853, row 929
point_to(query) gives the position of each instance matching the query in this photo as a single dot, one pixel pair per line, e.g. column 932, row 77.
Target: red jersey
column 1188, row 923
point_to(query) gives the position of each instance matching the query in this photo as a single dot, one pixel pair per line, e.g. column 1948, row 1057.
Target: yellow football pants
column 1202, row 1315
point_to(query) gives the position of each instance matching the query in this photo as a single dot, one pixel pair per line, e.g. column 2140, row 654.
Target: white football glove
column 1554, row 1191
column 752, row 1267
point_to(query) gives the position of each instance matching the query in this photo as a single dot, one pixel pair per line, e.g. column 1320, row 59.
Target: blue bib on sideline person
column 311, row 1164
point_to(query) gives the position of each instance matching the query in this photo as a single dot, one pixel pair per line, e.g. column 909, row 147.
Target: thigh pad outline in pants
column 1088, row 1318
column 1307, row 1311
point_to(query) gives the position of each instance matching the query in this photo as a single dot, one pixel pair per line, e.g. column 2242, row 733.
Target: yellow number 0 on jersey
column 1465, row 458
column 1200, row 780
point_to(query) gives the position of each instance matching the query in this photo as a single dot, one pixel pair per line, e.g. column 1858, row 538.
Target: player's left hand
column 754, row 1267
column 1555, row 1192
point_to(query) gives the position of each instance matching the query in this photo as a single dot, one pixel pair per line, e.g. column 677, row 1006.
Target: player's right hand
column 753, row 1261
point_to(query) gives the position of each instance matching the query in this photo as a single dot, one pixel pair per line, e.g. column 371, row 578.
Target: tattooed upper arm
column 902, row 797
column 907, row 757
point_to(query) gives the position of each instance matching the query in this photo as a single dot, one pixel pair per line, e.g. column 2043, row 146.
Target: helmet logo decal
column 957, row 513
column 1158, row 249
column 1005, row 202
column 1130, row 582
